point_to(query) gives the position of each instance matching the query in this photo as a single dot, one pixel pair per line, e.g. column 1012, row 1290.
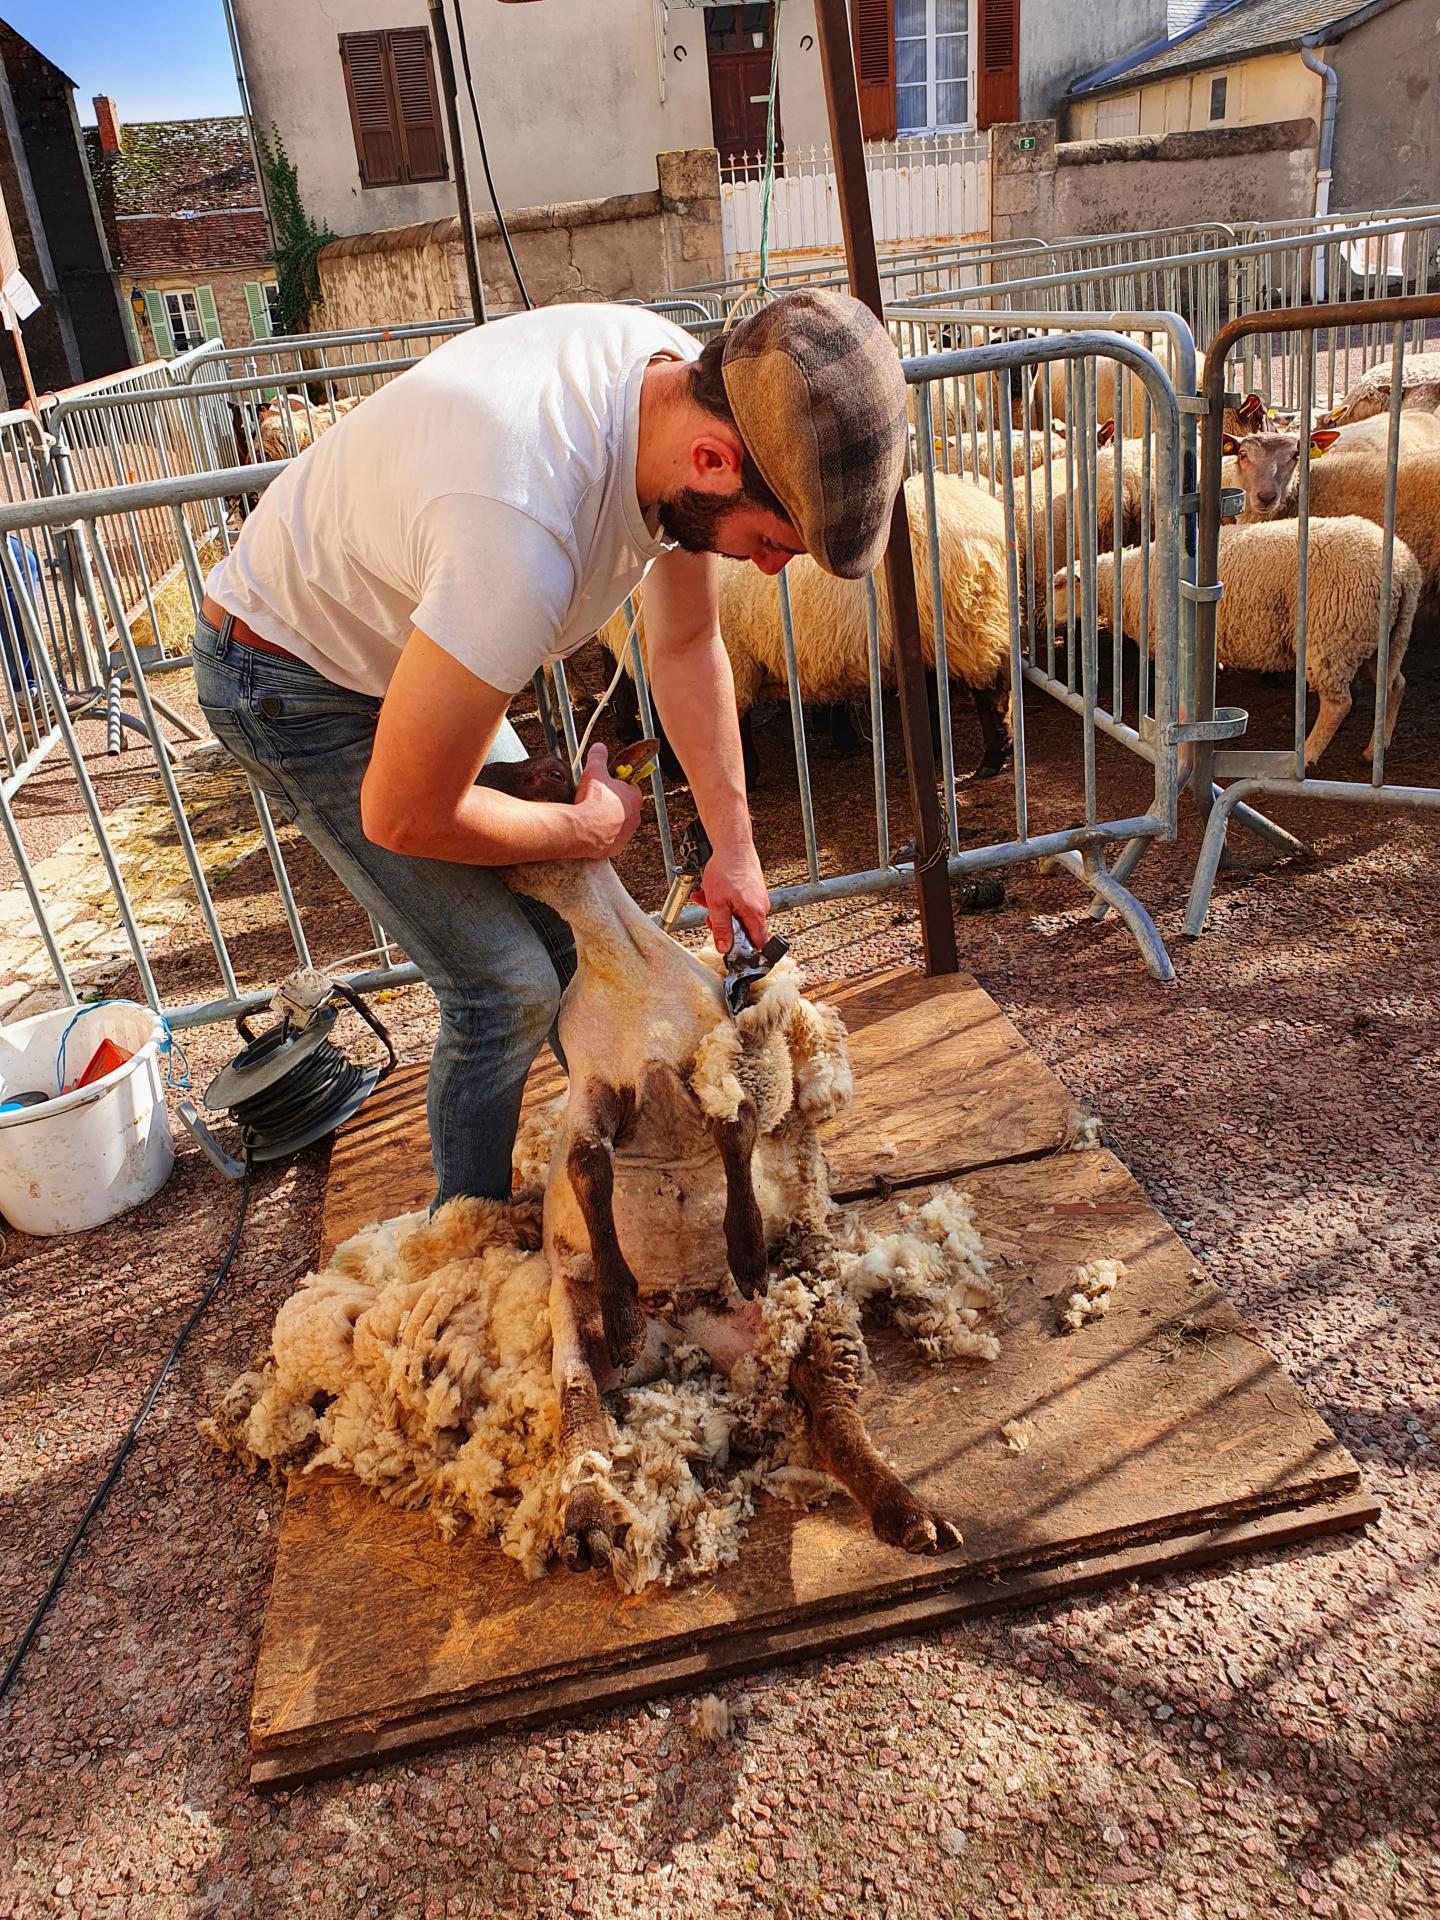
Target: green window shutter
column 159, row 323
column 209, row 318
column 259, row 310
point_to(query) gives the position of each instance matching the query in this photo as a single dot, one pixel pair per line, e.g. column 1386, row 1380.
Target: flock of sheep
column 1259, row 551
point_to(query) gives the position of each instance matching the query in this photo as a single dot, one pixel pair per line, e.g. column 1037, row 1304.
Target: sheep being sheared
column 687, row 1153
column 691, row 1330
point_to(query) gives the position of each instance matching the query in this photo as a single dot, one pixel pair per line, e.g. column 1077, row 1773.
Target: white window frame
column 187, row 329
column 932, row 83
column 270, row 294
column 1210, row 79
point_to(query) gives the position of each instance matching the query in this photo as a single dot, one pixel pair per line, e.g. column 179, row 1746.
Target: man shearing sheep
column 486, row 512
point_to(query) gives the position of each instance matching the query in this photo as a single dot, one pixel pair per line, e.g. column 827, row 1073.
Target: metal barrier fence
column 1182, row 279
column 1055, row 420
column 89, row 519
column 1351, row 607
column 1211, row 286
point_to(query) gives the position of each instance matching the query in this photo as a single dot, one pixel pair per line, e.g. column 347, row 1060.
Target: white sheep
column 829, row 615
column 1349, row 479
column 1104, row 375
column 1371, row 392
column 1255, row 620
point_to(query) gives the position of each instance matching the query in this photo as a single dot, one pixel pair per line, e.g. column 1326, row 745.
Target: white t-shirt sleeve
column 501, row 620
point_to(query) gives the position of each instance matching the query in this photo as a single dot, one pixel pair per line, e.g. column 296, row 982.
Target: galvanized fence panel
column 1392, row 482
column 1211, row 285
column 90, row 519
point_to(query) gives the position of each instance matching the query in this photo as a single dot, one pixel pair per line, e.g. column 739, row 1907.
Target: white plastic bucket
column 82, row 1157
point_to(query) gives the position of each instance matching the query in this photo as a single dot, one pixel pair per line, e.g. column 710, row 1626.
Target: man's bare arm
column 419, row 797
column 695, row 694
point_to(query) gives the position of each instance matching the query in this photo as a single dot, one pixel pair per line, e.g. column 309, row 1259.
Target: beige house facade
column 1237, row 92
column 1368, row 70
column 578, row 97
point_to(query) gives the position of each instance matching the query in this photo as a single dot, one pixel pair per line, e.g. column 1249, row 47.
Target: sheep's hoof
column 991, row 767
column 589, row 1537
column 902, row 1521
column 624, row 1327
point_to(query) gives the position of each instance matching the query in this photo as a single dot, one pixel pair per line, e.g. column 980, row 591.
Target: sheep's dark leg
column 826, row 1377
column 592, row 1175
column 744, row 1227
column 994, row 731
column 578, row 1346
column 844, row 735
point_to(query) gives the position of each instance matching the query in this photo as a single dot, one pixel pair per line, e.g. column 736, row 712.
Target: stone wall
column 633, row 246
column 1047, row 190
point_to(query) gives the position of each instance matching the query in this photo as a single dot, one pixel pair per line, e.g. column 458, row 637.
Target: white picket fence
column 933, row 186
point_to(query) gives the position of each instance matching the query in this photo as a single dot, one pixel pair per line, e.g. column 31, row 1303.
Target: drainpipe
column 1327, row 141
column 243, row 89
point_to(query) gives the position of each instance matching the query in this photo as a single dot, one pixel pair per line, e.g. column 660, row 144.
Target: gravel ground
column 1234, row 1742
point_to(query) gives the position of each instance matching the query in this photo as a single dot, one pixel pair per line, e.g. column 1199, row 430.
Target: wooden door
column 740, row 79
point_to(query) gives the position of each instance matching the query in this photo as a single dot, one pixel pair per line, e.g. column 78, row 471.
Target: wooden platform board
column 1164, row 1435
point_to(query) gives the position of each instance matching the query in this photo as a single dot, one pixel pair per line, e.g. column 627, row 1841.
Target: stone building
column 183, row 212
column 78, row 331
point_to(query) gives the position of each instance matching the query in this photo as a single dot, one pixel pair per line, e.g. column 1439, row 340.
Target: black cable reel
column 290, row 1085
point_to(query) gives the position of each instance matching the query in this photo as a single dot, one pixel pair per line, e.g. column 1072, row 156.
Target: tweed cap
column 818, row 395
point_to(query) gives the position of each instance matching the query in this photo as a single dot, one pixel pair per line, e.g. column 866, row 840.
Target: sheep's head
column 1068, row 590
column 545, row 778
column 1266, row 463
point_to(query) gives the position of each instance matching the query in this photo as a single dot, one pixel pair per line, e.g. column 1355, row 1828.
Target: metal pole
column 932, row 882
column 440, row 29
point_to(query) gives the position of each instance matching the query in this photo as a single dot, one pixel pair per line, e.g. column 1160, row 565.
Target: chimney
column 107, row 121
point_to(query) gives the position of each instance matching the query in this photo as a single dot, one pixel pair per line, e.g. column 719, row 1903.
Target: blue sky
column 159, row 59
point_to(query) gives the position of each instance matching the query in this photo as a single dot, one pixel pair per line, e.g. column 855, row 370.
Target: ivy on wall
column 297, row 238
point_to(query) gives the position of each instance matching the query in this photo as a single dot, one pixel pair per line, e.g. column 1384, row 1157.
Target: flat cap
column 818, row 395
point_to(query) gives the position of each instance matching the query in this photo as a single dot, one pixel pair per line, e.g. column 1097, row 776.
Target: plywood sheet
column 945, row 1083
column 1162, row 1430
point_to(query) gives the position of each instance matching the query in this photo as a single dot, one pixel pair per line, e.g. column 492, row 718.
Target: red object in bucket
column 106, row 1057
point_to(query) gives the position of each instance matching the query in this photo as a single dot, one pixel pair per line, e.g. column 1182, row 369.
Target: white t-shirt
column 487, row 497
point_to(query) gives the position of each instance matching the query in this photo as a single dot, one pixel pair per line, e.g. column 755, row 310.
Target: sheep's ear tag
column 1106, row 433
column 1322, row 438
column 1229, row 444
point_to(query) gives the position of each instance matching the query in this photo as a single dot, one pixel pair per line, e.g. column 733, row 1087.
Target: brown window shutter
column 418, row 103
column 372, row 116
column 999, row 90
column 873, row 24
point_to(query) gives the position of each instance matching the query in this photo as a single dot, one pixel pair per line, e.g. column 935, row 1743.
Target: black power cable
column 102, row 1493
column 314, row 1087
column 485, row 157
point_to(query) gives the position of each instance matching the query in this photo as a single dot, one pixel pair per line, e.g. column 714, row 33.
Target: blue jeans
column 495, row 961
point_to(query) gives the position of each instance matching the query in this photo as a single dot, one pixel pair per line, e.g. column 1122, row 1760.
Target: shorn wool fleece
column 419, row 1359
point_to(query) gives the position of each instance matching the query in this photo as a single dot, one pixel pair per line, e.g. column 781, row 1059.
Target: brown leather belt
column 240, row 630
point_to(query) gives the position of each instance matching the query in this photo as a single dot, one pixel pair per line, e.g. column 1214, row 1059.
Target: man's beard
column 696, row 520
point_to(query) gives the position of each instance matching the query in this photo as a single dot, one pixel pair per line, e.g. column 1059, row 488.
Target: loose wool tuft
column 710, row 1719
column 1090, row 1289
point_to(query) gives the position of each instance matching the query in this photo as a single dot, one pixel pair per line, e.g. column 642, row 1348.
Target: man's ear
column 716, row 460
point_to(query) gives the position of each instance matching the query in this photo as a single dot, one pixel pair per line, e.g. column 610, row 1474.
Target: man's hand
column 609, row 808
column 734, row 883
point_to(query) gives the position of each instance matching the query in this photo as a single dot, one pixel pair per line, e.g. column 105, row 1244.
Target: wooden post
column 439, row 28
column 31, row 398
column 932, row 880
